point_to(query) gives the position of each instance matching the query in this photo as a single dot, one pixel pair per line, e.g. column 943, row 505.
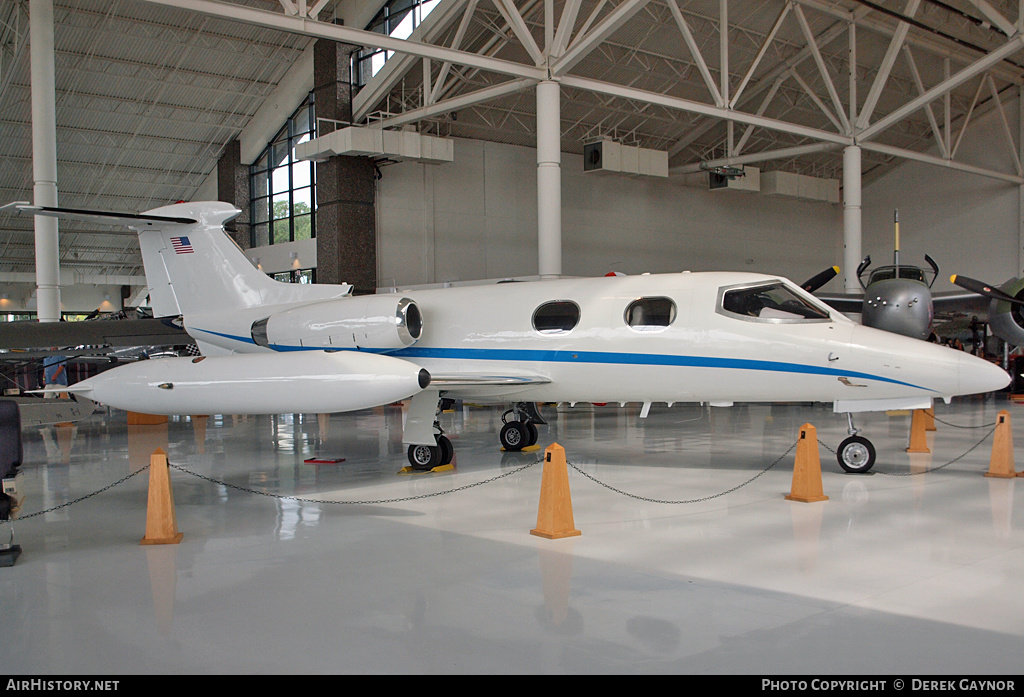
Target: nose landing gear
column 856, row 454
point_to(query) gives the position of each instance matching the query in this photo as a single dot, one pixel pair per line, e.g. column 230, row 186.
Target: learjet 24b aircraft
column 717, row 338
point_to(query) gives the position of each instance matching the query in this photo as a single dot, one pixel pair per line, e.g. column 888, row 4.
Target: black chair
column 10, row 449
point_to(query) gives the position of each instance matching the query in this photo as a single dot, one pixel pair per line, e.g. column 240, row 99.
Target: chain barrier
column 930, row 469
column 517, row 470
column 704, row 498
column 83, row 498
column 946, row 423
column 364, row 503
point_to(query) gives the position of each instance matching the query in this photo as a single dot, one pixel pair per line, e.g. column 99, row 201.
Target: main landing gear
column 520, row 426
column 427, row 457
column 519, row 431
column 856, row 454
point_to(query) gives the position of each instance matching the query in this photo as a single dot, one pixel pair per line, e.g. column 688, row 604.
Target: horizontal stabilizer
column 110, row 217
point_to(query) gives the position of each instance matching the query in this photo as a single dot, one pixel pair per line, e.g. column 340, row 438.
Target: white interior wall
column 477, row 218
column 967, row 223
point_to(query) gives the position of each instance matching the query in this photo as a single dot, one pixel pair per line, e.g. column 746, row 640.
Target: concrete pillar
column 233, row 187
column 851, row 218
column 44, row 158
column 346, row 217
column 549, row 180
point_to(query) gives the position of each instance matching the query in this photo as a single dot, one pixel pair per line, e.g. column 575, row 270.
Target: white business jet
column 717, row 338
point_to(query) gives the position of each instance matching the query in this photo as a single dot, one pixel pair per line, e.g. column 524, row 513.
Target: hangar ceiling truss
column 150, row 91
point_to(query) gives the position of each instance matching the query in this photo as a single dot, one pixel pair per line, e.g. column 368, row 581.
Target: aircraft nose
column 978, row 375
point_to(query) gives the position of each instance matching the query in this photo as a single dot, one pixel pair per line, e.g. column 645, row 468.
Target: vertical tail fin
column 196, row 267
column 192, row 265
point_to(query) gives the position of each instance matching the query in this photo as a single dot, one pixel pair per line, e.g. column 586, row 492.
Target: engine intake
column 362, row 322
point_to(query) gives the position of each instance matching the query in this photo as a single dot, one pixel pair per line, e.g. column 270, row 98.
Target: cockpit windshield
column 773, row 301
column 886, row 273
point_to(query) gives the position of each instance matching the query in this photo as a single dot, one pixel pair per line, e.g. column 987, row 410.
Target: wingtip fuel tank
column 264, row 383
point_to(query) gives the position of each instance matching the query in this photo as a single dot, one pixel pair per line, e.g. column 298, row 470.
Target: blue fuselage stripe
column 596, row 357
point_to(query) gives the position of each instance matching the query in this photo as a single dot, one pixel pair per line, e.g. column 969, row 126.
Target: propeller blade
column 983, row 289
column 818, row 280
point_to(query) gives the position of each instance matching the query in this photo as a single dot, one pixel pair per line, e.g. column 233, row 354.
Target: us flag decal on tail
column 182, row 245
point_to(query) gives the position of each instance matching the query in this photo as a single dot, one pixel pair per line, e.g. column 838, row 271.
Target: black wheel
column 856, row 455
column 514, row 436
column 424, row 457
column 531, row 430
column 446, row 448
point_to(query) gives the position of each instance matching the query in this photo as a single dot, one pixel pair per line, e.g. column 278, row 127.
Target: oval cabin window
column 556, row 317
column 646, row 314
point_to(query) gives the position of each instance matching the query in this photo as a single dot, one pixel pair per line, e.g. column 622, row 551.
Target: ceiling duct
column 377, row 142
column 606, row 155
column 800, row 186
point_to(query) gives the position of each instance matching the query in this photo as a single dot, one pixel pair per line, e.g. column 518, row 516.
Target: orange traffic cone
column 161, row 522
column 807, row 468
column 1001, row 462
column 918, row 432
column 554, row 514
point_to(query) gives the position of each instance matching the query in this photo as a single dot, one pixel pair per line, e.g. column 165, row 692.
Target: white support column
column 549, row 180
column 44, row 158
column 1020, row 188
column 851, row 218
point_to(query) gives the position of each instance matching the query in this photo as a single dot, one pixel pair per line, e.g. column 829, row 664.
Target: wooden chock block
column 554, row 514
column 1001, row 463
column 929, row 422
column 918, row 432
column 137, row 419
column 807, row 486
column 161, row 521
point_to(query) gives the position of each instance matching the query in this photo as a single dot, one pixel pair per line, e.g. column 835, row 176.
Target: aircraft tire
column 856, row 455
column 446, row 448
column 424, row 457
column 514, row 436
column 531, row 430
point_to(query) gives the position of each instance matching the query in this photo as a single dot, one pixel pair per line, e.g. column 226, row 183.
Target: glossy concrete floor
column 690, row 560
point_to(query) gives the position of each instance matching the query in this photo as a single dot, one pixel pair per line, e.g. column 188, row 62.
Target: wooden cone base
column 161, row 522
column 1001, row 463
column 918, row 432
column 554, row 514
column 807, row 468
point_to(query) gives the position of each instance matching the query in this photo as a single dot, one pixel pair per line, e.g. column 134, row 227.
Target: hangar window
column 282, row 187
column 772, row 302
column 398, row 18
column 556, row 317
column 647, row 314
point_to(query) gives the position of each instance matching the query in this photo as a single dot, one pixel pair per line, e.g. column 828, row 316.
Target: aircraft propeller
column 818, row 280
column 983, row 289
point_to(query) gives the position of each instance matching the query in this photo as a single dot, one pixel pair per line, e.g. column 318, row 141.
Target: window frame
column 263, row 194
column 650, row 328
column 816, row 304
column 560, row 330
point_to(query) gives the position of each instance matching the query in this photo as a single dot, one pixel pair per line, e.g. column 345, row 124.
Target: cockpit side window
column 650, row 314
column 556, row 317
column 773, row 302
column 887, row 273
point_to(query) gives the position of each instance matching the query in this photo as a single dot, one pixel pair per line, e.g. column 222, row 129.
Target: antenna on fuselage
column 896, row 248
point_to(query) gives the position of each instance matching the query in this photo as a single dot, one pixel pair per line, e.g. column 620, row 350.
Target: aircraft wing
column 469, row 380
column 91, row 336
column 960, row 302
column 843, row 302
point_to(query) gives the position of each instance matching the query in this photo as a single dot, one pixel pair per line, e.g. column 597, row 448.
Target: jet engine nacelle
column 1006, row 320
column 257, row 383
column 364, row 322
